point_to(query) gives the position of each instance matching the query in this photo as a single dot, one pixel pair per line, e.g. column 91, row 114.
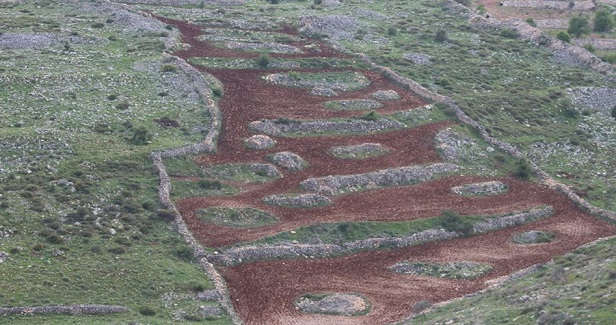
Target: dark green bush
column 531, row 22
column 122, row 106
column 563, row 36
column 451, row 221
column 523, row 169
column 578, row 26
column 440, row 36
column 371, row 116
column 169, row 68
column 147, row 311
column 118, row 250
column 604, row 21
column 263, row 61
column 207, row 184
column 184, row 253
column 98, row 25
column 141, row 136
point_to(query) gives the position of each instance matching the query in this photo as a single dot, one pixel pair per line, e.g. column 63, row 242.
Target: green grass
column 337, row 81
column 250, row 63
column 452, row 270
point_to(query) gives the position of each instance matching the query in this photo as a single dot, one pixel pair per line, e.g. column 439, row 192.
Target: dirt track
column 263, row 292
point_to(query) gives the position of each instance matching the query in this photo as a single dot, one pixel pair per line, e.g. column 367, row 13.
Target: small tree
column 531, row 22
column 578, row 26
column 563, row 36
column 614, row 112
column 523, row 169
column 604, row 21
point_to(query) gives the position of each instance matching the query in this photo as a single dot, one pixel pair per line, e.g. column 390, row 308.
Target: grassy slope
column 52, row 102
column 576, row 288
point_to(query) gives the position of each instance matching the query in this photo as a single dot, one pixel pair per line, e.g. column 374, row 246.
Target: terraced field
column 343, row 223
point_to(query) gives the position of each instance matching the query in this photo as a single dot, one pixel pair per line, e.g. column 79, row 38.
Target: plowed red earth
column 263, row 292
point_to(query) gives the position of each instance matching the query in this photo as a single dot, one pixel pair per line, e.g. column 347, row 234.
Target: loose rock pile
column 485, row 188
column 513, row 220
column 359, row 150
column 334, row 304
column 453, row 270
column 334, row 185
column 298, row 201
column 268, row 170
column 281, row 128
column 353, row 104
column 259, row 142
column 386, row 95
column 602, row 99
column 4, row 257
column 288, row 160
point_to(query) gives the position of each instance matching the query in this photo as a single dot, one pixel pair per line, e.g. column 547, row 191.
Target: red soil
column 263, row 292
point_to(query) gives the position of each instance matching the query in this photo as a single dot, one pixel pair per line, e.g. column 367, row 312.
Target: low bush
column 147, row 311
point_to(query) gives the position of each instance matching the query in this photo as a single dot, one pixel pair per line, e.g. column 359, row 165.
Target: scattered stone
column 236, row 217
column 65, row 310
column 43, row 40
column 534, row 237
column 386, row 95
column 418, row 58
column 332, row 304
column 288, row 160
column 602, row 99
column 298, row 201
column 335, row 27
column 259, row 142
column 208, row 295
column 211, row 311
column 4, row 257
column 485, row 188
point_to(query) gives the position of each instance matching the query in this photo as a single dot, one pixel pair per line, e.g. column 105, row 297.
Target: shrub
column 169, row 68
column 141, row 136
column 147, row 311
column 318, row 2
column 169, row 27
column 184, row 253
column 112, row 97
column 421, row 305
column 523, row 169
column 371, row 116
column 392, row 31
column 613, row 113
column 209, row 184
column 464, row 2
column 274, row 2
column 217, row 92
column 531, row 22
column 563, row 36
column 578, row 26
column 589, row 48
column 102, row 128
column 117, row 250
column 604, row 21
column 610, row 58
column 451, row 221
column 263, row 61
column 123, row 105
column 441, row 36
column 98, row 25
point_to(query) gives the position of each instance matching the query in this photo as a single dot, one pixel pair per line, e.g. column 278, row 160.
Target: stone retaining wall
column 65, row 310
column 164, row 189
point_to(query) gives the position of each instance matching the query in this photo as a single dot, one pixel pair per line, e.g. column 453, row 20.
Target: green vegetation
column 338, row 81
column 340, row 232
column 534, row 237
column 578, row 26
column 579, row 279
column 78, row 190
column 564, row 36
column 603, row 21
column 236, row 217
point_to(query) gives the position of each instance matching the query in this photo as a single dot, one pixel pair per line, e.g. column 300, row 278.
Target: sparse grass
column 236, row 217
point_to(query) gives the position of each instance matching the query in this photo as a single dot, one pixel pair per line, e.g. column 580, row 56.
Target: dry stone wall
column 65, row 310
